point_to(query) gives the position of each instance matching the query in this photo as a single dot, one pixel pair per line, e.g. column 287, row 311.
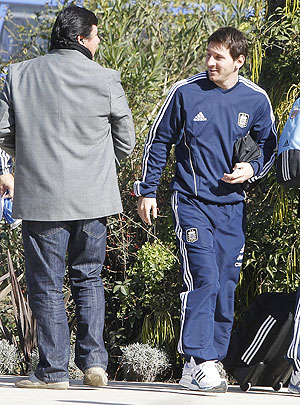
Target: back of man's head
column 71, row 22
column 232, row 39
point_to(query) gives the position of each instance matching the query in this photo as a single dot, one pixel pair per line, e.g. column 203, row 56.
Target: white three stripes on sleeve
column 4, row 159
column 153, row 129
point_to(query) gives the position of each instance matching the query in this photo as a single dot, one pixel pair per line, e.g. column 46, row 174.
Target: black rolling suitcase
column 256, row 354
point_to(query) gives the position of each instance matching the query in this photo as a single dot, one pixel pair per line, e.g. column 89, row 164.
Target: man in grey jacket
column 66, row 120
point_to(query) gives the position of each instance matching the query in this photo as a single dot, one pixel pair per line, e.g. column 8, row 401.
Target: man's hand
column 241, row 172
column 7, row 184
column 146, row 205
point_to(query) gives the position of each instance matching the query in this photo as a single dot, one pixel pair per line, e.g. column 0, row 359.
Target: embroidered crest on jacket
column 192, row 235
column 243, row 120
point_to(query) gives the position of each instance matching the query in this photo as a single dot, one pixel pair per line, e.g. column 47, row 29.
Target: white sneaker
column 206, row 377
column 294, row 385
column 187, row 378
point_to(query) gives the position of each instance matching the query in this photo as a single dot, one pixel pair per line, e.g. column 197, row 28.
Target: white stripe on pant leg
column 186, row 273
column 183, row 297
column 292, row 352
column 258, row 339
column 187, row 276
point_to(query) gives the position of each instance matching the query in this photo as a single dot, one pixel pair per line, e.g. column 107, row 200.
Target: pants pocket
column 44, row 228
column 95, row 227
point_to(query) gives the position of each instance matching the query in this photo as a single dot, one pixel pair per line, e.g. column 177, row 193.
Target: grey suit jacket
column 66, row 120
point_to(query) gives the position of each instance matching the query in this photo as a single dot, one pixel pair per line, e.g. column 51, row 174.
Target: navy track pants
column 211, row 240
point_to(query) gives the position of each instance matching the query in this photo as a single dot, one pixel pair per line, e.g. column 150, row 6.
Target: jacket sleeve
column 164, row 132
column 7, row 119
column 6, row 163
column 265, row 134
column 122, row 126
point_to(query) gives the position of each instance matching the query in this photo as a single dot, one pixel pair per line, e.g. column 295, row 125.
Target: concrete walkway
column 134, row 393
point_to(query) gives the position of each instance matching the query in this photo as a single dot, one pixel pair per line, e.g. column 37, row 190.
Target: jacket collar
column 74, row 50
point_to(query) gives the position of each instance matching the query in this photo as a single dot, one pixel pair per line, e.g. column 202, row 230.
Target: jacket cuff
column 6, row 164
column 141, row 189
column 256, row 167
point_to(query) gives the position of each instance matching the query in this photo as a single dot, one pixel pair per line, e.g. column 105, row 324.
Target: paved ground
column 133, row 393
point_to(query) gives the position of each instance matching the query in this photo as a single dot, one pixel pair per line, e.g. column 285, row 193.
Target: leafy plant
column 26, row 326
column 143, row 362
column 10, row 362
column 152, row 275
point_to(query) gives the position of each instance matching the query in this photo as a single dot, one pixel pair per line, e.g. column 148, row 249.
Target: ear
column 80, row 39
column 240, row 61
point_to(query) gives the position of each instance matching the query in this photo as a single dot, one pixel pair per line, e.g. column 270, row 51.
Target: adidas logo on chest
column 200, row 117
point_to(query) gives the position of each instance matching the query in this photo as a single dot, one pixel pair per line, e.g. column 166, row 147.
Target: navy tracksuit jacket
column 203, row 121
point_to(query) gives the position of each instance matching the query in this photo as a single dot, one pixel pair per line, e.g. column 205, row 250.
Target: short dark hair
column 233, row 39
column 71, row 22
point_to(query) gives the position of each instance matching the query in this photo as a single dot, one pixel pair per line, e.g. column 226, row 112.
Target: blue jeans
column 45, row 246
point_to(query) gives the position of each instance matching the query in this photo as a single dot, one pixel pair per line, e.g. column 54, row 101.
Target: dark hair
column 71, row 22
column 233, row 39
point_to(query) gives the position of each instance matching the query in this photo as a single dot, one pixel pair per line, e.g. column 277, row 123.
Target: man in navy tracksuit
column 203, row 116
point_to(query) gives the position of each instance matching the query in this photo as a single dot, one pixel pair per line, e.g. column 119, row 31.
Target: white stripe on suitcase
column 258, row 339
column 292, row 352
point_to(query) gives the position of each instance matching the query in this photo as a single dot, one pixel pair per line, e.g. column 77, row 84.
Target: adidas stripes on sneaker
column 202, row 377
